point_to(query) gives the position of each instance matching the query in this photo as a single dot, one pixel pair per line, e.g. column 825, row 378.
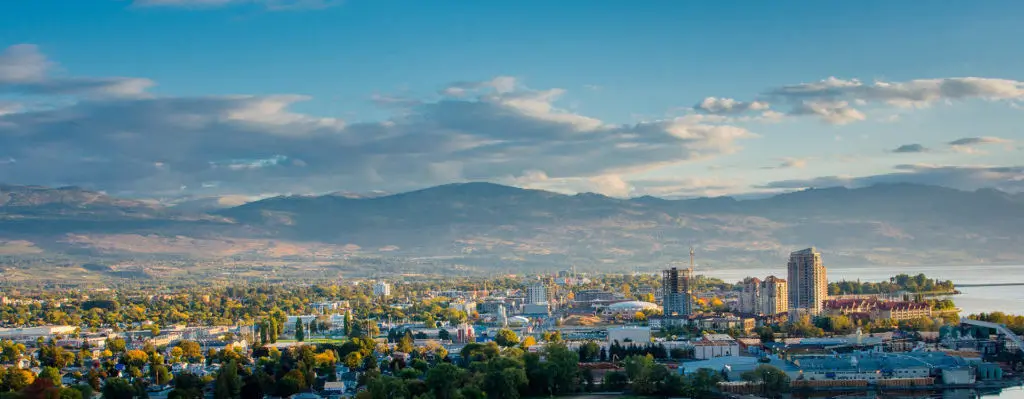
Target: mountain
column 483, row 227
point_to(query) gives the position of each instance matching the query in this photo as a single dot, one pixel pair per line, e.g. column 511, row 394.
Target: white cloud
column 715, row 105
column 834, row 112
column 25, row 70
column 840, row 101
column 258, row 144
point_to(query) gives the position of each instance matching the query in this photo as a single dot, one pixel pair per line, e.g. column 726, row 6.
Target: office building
column 382, row 289
column 808, row 283
column 676, row 294
column 536, row 292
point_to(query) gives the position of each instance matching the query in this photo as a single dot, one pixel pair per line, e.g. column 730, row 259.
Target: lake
column 1009, row 299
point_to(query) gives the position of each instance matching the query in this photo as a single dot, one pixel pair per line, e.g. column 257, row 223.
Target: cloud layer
column 841, row 101
column 128, row 141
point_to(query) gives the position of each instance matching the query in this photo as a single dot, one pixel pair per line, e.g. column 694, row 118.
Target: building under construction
column 676, row 290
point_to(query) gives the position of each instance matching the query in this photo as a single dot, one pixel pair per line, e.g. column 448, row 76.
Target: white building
column 536, row 293
column 382, row 289
column 715, row 345
column 33, row 332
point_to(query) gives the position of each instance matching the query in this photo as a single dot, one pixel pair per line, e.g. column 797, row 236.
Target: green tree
column 160, row 374
column 228, row 385
column 70, row 393
column 504, row 379
column 506, row 338
column 703, row 382
column 443, row 380
column 774, row 381
column 52, row 374
column 300, row 335
column 118, row 388
column 562, row 367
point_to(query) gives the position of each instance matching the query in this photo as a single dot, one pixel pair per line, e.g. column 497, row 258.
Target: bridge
column 999, row 328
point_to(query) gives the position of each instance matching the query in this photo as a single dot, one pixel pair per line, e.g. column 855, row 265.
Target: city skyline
column 259, row 98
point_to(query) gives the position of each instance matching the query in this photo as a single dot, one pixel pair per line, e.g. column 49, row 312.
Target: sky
column 242, row 99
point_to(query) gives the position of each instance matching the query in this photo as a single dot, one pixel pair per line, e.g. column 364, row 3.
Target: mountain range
column 487, row 228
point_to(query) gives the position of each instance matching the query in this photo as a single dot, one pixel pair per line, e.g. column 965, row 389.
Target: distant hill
column 489, row 227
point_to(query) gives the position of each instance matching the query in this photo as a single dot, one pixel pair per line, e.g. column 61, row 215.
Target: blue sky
column 247, row 98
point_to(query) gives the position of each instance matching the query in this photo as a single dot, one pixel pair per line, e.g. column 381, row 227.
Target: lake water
column 1009, row 299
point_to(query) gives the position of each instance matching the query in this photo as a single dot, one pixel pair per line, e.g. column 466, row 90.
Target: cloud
column 979, row 140
column 728, row 106
column 499, row 84
column 969, row 145
column 25, row 70
column 834, row 112
column 271, row 5
column 841, row 101
column 1006, row 178
column 154, row 145
column 789, row 163
column 910, row 148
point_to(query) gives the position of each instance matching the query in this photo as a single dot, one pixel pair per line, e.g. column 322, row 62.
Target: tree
column 444, row 335
column 562, row 367
column 16, row 379
column 774, row 381
column 702, row 382
column 160, row 374
column 187, row 386
column 135, row 358
column 353, row 360
column 405, row 343
column 506, row 338
column 50, row 373
column 228, row 385
column 504, row 378
column 443, row 380
column 300, row 335
column 191, row 350
column 615, row 381
column 589, row 351
column 118, row 388
column 116, row 345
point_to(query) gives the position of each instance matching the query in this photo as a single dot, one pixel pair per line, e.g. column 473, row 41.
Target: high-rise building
column 382, row 288
column 764, row 297
column 808, row 284
column 536, row 292
column 750, row 298
column 676, row 294
column 774, row 296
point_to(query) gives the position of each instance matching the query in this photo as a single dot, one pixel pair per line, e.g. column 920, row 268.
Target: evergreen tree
column 228, row 384
column 300, row 335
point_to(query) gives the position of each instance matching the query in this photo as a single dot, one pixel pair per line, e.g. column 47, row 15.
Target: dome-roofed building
column 629, row 308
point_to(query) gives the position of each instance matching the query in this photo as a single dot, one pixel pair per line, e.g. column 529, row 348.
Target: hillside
column 489, row 227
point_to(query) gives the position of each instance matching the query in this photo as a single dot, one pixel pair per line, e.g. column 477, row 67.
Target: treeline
column 1014, row 322
column 902, row 282
column 488, row 371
